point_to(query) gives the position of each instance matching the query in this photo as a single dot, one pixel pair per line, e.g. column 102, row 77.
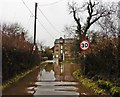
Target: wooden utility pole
column 35, row 24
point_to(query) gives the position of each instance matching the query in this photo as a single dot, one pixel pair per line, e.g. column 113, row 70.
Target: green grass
column 88, row 83
column 115, row 91
column 16, row 78
column 100, row 87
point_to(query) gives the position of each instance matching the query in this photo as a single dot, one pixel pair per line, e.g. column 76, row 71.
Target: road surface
column 49, row 80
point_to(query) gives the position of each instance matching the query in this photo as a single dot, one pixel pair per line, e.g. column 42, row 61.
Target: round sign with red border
column 84, row 45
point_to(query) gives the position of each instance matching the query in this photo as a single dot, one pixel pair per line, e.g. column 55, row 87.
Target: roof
column 61, row 40
column 69, row 40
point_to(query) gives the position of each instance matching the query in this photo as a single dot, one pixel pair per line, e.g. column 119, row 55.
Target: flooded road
column 51, row 79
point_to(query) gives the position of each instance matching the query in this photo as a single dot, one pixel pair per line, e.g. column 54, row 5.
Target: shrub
column 115, row 91
column 104, row 84
column 17, row 52
column 102, row 59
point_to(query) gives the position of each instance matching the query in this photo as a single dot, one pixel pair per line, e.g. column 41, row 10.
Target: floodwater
column 50, row 79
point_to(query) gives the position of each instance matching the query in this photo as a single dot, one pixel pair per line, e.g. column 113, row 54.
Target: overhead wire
column 49, row 4
column 48, row 21
column 28, row 8
column 38, row 20
column 46, row 29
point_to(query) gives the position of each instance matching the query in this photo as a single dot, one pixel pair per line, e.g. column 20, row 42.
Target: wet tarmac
column 51, row 79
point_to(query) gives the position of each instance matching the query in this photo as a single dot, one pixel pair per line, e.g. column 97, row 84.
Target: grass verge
column 100, row 87
column 89, row 83
column 16, row 78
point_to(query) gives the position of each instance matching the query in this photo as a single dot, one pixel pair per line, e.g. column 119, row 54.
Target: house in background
column 62, row 49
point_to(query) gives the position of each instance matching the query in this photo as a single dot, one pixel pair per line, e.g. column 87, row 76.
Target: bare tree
column 118, row 15
column 95, row 11
column 13, row 29
column 70, row 31
column 109, row 23
column 109, row 27
column 41, row 46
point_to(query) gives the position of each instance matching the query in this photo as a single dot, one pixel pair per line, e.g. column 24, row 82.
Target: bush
column 115, row 91
column 102, row 60
column 104, row 84
column 17, row 53
column 89, row 83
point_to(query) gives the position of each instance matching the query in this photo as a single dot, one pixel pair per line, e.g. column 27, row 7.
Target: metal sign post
column 84, row 45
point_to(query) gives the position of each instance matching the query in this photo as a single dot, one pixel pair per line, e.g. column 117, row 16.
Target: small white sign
column 84, row 45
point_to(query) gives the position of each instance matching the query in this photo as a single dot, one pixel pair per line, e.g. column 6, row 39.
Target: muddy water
column 51, row 79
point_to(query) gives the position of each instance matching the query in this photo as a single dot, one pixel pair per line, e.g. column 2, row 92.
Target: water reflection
column 50, row 79
column 64, row 72
column 47, row 76
column 53, row 72
column 61, row 68
column 56, row 80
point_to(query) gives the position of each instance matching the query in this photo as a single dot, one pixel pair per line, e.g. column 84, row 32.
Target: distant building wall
column 62, row 49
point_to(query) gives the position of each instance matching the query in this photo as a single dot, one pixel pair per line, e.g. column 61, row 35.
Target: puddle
column 47, row 76
column 52, row 80
column 56, row 83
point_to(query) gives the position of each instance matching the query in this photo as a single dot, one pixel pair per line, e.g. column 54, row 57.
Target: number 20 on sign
column 84, row 45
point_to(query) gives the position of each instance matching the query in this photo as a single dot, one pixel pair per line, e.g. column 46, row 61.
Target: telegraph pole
column 34, row 47
column 35, row 24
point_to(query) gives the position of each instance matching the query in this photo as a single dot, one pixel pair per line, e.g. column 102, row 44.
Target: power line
column 46, row 29
column 49, row 4
column 38, row 19
column 49, row 21
column 28, row 8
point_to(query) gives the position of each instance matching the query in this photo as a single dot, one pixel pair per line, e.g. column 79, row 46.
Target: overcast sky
column 56, row 12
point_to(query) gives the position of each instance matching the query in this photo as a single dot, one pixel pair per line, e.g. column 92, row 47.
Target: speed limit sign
column 84, row 45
